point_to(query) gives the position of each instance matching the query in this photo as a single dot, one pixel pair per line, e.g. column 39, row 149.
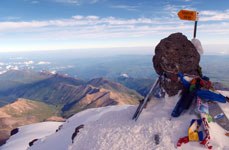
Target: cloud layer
column 143, row 25
column 110, row 27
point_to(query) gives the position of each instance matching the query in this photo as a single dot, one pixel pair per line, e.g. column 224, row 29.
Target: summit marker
column 191, row 16
column 188, row 15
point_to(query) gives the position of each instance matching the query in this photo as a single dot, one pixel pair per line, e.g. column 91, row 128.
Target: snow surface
column 111, row 128
column 26, row 134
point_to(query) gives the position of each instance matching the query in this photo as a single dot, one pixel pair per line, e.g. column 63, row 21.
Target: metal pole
column 195, row 28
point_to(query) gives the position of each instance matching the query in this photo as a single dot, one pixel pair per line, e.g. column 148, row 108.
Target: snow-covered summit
column 124, row 75
column 112, row 128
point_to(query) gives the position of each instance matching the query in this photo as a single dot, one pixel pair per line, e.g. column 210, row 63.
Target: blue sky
column 28, row 25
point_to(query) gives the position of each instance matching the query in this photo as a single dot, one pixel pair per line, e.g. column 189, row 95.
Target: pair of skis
column 144, row 102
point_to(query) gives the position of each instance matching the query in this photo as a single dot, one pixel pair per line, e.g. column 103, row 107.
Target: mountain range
column 64, row 91
column 54, row 95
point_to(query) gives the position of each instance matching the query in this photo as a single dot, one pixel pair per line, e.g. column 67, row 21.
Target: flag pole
column 195, row 28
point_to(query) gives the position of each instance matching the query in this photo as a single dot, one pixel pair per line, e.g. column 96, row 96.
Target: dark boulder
column 76, row 132
column 32, row 142
column 59, row 128
column 175, row 54
column 14, row 131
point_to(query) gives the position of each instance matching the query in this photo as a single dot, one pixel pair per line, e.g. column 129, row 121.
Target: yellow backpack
column 193, row 132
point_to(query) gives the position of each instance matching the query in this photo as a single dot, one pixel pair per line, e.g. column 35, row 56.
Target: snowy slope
column 26, row 134
column 111, row 128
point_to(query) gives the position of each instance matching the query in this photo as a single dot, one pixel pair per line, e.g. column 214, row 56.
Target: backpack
column 193, row 132
column 195, row 135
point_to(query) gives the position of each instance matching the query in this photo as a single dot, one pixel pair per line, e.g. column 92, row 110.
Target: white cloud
column 33, row 1
column 43, row 63
column 68, row 1
column 172, row 10
column 92, row 17
column 79, row 28
column 53, row 72
column 8, row 67
column 12, row 18
column 76, row 21
column 32, row 24
column 77, row 17
column 28, row 62
column 127, row 7
column 15, row 68
column 205, row 15
column 214, row 15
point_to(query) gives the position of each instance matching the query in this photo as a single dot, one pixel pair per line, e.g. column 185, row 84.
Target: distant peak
column 124, row 75
column 44, row 72
column 99, row 81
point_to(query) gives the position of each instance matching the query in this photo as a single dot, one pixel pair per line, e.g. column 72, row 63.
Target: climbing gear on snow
column 195, row 135
column 193, row 132
column 159, row 91
column 147, row 98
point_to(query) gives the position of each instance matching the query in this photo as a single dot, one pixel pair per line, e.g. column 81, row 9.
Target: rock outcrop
column 14, row 131
column 76, row 132
column 175, row 54
column 32, row 142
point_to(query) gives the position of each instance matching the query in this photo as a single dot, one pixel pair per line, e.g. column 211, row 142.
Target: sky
column 33, row 25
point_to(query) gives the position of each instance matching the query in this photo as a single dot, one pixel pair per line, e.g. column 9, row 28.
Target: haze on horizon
column 117, row 26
